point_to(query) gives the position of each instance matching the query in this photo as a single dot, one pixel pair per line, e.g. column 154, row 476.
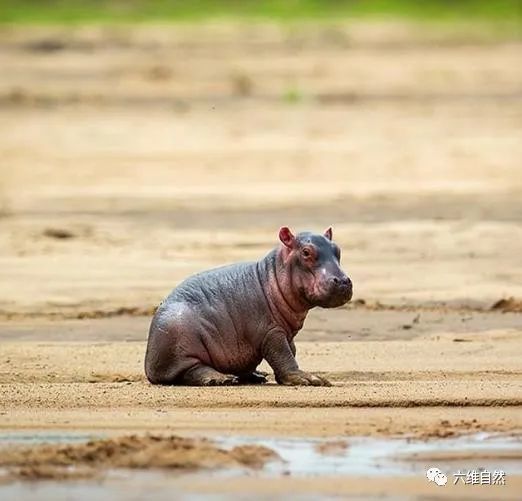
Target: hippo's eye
column 307, row 253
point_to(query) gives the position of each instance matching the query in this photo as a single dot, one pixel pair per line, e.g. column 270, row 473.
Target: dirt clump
column 150, row 451
column 254, row 456
column 506, row 305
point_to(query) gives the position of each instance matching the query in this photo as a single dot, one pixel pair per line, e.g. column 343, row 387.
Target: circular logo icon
column 435, row 475
column 441, row 479
column 431, row 474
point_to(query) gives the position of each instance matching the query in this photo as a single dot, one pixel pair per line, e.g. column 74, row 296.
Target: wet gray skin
column 216, row 327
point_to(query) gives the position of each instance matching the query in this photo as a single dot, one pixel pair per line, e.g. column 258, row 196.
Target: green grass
column 292, row 95
column 124, row 11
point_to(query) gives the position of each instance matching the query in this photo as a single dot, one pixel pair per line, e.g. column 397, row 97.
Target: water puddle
column 368, row 456
column 37, row 438
column 300, row 458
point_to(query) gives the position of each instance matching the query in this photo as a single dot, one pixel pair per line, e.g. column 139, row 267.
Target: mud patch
column 58, row 233
column 83, row 460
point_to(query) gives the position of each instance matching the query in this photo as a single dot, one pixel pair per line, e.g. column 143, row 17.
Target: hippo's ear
column 287, row 237
column 328, row 233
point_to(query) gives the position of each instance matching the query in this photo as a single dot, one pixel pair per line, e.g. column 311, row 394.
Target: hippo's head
column 312, row 262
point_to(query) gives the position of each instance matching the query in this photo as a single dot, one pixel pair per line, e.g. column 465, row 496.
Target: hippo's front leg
column 278, row 353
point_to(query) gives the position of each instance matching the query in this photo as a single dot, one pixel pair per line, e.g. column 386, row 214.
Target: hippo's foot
column 202, row 375
column 302, row 378
column 255, row 377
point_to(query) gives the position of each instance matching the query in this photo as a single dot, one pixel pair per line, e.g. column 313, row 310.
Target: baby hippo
column 216, row 327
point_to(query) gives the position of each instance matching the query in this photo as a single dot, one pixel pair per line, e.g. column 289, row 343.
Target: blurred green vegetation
column 123, row 11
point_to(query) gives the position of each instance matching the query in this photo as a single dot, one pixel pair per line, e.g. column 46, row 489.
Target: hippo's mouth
column 334, row 299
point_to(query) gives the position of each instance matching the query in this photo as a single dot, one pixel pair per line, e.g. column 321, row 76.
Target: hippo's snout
column 342, row 288
column 342, row 283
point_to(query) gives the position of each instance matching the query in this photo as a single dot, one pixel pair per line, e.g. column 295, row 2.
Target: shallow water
column 370, row 456
column 300, row 457
column 55, row 437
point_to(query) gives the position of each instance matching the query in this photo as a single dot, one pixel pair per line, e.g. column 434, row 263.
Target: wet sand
column 132, row 159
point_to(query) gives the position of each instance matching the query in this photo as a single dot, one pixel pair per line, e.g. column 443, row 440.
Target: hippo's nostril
column 343, row 282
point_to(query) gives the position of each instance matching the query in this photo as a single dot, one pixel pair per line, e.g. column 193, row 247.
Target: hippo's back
column 229, row 299
column 216, row 285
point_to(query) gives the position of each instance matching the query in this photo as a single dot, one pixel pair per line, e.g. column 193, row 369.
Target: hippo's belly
column 233, row 356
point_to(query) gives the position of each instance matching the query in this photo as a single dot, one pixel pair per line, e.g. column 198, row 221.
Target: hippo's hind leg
column 203, row 375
